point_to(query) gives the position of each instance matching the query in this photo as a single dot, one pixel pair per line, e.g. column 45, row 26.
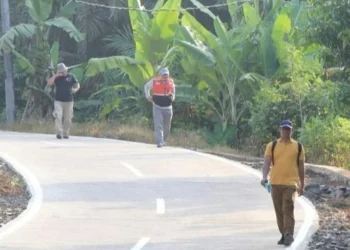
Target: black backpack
column 273, row 149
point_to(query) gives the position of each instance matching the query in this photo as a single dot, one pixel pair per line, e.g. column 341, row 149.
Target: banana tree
column 277, row 33
column 251, row 51
column 40, row 54
column 153, row 38
column 220, row 64
column 289, row 62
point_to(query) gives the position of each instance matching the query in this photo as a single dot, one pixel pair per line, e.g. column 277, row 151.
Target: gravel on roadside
column 14, row 194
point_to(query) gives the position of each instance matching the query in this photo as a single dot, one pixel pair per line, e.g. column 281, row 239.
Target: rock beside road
column 319, row 191
column 334, row 231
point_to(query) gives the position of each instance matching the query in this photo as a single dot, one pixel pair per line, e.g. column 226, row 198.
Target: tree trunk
column 9, row 89
column 39, row 105
column 38, row 108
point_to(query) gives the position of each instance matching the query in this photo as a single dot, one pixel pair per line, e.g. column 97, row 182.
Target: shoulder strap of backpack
column 299, row 152
column 273, row 149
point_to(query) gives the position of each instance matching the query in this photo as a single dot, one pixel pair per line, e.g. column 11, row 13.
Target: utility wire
column 151, row 10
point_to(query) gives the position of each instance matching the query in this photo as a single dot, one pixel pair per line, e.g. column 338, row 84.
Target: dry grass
column 138, row 131
column 129, row 132
column 224, row 149
column 9, row 185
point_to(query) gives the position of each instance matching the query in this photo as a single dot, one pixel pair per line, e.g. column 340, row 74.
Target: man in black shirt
column 65, row 85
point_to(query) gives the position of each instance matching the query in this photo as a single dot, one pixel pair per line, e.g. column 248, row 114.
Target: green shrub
column 280, row 101
column 327, row 141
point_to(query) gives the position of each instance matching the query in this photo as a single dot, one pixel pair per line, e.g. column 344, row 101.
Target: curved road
column 99, row 194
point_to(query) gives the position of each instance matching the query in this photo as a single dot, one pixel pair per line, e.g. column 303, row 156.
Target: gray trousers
column 162, row 123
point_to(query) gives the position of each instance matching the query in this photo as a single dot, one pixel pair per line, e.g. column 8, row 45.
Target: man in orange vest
column 163, row 95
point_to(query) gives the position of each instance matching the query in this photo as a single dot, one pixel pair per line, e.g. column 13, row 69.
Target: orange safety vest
column 161, row 91
column 162, row 87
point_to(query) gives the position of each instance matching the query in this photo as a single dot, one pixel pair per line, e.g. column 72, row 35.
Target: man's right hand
column 300, row 190
column 262, row 182
column 171, row 96
column 150, row 99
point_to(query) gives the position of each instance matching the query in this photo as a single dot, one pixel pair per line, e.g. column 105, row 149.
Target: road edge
column 311, row 220
column 34, row 203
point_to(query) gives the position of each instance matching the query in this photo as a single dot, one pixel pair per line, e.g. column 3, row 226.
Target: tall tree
column 9, row 89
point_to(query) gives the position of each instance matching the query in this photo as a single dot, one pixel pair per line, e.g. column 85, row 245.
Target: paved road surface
column 96, row 194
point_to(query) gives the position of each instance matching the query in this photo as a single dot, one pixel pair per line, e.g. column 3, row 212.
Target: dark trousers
column 283, row 198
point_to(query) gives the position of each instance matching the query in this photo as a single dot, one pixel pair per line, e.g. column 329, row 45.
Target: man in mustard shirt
column 286, row 178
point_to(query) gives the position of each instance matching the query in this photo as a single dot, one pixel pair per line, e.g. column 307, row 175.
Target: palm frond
column 39, row 10
column 199, row 53
column 23, row 62
column 139, row 72
column 122, row 43
column 21, row 30
column 92, row 21
column 117, row 14
column 67, row 26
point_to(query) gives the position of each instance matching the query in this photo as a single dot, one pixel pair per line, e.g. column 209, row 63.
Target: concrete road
column 97, row 194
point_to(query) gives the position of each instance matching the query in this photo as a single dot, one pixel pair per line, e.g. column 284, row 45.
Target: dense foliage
column 239, row 68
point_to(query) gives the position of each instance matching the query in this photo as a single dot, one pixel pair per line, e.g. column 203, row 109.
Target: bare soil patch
column 14, row 194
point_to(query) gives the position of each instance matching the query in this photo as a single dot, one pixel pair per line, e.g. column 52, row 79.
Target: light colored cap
column 61, row 67
column 164, row 71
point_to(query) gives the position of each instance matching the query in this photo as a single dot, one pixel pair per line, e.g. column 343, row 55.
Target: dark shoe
column 288, row 239
column 159, row 145
column 281, row 241
column 58, row 136
column 66, row 137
